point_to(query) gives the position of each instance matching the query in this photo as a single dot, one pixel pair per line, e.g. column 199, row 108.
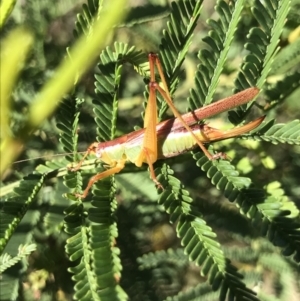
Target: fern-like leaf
column 214, row 58
column 287, row 59
column 278, row 217
column 150, row 260
column 107, row 86
column 15, row 208
column 282, row 89
column 102, row 232
column 262, row 42
column 176, row 40
column 7, row 261
column 198, row 239
column 262, row 45
column 86, row 18
column 282, row 133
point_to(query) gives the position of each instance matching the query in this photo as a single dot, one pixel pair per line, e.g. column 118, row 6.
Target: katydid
column 171, row 137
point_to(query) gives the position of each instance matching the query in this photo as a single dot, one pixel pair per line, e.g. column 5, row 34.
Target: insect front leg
column 116, row 167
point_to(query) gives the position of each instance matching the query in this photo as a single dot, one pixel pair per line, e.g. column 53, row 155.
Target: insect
column 168, row 138
column 170, row 142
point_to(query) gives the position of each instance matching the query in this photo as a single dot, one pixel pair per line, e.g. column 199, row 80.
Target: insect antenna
column 41, row 157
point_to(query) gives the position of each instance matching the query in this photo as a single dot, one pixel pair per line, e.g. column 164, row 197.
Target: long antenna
column 54, row 155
